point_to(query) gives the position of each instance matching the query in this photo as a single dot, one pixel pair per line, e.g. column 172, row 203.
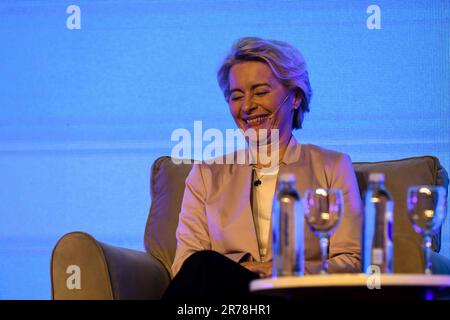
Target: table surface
column 350, row 280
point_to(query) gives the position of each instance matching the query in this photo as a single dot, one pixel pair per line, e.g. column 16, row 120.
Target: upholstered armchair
column 109, row 272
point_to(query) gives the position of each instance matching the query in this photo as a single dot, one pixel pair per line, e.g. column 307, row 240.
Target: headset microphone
column 278, row 108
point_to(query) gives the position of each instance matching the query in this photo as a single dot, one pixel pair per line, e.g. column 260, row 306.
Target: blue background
column 83, row 113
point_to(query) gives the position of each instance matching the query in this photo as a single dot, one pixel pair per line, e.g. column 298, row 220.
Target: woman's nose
column 249, row 105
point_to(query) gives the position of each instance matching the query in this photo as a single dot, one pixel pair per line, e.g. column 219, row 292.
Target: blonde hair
column 286, row 62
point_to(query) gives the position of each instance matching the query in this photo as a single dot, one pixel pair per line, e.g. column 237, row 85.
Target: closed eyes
column 259, row 94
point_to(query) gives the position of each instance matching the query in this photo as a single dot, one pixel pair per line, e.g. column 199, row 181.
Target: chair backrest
column 167, row 188
column 401, row 174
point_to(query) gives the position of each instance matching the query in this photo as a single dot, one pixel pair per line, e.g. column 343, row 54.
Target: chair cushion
column 167, row 187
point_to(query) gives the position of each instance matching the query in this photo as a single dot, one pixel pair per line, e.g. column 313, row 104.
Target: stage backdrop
column 91, row 91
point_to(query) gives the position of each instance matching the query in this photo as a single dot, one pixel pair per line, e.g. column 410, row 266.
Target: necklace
column 258, row 181
column 263, row 171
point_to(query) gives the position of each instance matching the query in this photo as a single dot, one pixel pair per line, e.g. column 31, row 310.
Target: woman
column 223, row 238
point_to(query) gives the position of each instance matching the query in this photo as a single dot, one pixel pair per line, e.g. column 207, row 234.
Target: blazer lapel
column 250, row 240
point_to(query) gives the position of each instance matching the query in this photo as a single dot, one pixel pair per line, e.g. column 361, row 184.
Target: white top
column 262, row 205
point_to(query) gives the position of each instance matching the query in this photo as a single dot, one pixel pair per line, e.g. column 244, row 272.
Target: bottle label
column 377, row 256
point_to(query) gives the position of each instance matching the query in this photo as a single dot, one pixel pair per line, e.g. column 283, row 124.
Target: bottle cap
column 287, row 177
column 376, row 177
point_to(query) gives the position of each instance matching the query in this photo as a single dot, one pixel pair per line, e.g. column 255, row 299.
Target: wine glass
column 426, row 210
column 323, row 210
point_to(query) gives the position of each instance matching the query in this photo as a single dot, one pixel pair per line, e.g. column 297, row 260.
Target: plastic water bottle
column 287, row 228
column 377, row 248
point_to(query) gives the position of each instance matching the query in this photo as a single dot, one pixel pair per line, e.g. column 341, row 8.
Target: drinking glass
column 426, row 211
column 323, row 211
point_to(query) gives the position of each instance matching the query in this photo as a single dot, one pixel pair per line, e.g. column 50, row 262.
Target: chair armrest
column 84, row 268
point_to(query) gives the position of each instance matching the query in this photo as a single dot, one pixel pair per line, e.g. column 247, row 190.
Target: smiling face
column 255, row 93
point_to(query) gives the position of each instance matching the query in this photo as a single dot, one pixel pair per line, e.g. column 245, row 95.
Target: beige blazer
column 216, row 212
